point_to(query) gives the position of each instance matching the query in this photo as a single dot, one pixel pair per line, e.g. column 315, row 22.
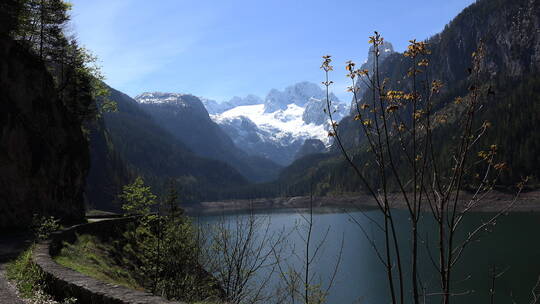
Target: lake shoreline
column 493, row 202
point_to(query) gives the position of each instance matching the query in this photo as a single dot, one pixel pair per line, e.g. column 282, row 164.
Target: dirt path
column 8, row 292
column 10, row 247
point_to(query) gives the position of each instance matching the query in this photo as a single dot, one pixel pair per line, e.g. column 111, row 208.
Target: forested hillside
column 508, row 31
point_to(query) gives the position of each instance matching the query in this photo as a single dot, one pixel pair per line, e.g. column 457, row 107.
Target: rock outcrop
column 43, row 153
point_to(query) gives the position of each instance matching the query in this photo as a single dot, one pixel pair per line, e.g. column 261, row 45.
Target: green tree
column 41, row 24
column 138, row 198
column 163, row 245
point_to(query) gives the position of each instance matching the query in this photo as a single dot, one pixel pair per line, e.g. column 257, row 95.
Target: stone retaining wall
column 65, row 282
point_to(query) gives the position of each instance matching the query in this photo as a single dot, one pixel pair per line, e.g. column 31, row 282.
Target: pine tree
column 41, row 24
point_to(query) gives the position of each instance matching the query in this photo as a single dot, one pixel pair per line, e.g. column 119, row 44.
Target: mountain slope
column 509, row 30
column 311, row 146
column 108, row 170
column 277, row 127
column 387, row 50
column 185, row 117
column 151, row 151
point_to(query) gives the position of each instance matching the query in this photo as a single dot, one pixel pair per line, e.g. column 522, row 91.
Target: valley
column 270, row 152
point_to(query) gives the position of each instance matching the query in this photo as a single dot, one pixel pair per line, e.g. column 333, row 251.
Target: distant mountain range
column 237, row 148
column 132, row 142
column 185, row 117
column 276, row 127
column 170, row 137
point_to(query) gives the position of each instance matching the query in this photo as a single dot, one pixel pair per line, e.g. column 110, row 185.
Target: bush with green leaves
column 43, row 226
column 138, row 198
column 163, row 246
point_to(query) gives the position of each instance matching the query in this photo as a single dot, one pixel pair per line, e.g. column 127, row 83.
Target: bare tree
column 398, row 129
column 302, row 284
column 240, row 254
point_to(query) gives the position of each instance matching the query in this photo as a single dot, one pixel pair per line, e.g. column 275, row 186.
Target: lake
column 511, row 247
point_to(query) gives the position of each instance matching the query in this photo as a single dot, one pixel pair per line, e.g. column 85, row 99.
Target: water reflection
column 511, row 246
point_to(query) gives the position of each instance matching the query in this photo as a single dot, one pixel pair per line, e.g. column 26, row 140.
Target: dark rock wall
column 509, row 32
column 43, row 153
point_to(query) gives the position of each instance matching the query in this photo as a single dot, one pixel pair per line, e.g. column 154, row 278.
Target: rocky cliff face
column 299, row 94
column 509, row 32
column 108, row 170
column 43, row 153
column 316, row 111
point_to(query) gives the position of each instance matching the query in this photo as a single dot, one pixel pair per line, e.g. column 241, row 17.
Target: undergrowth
column 92, row 257
column 25, row 273
column 30, row 280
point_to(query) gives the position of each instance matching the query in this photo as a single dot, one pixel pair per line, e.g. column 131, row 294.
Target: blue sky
column 224, row 48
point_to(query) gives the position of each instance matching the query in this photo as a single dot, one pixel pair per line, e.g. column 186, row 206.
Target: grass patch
column 90, row 256
column 26, row 275
column 30, row 280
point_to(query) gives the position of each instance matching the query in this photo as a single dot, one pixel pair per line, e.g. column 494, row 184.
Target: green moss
column 90, row 256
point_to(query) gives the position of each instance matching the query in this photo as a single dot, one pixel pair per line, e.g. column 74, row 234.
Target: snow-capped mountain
column 173, row 101
column 184, row 116
column 298, row 94
column 277, row 127
column 316, row 110
column 213, row 107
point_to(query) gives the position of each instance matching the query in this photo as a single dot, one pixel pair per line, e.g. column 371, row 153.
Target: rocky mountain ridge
column 276, row 127
column 185, row 117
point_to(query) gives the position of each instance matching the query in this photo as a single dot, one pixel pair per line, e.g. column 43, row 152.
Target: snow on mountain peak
column 214, row 107
column 277, row 126
column 161, row 98
column 173, row 102
column 298, row 94
column 282, row 126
